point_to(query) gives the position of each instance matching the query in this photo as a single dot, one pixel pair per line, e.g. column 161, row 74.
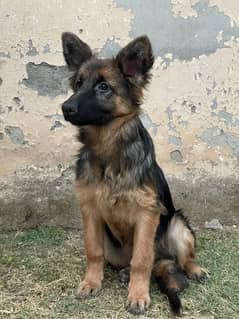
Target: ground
column 40, row 269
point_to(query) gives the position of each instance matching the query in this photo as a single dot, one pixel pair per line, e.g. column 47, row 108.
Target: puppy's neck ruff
column 103, row 141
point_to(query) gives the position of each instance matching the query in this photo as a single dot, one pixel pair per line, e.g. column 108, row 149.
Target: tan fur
column 133, row 218
column 102, row 139
column 181, row 243
column 143, row 257
column 180, row 240
column 120, row 210
column 93, row 238
column 113, row 76
column 118, row 180
column 164, row 269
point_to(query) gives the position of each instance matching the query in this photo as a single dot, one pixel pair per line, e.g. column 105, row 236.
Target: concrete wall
column 191, row 108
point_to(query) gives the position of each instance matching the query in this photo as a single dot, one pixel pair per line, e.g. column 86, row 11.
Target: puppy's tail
column 171, row 281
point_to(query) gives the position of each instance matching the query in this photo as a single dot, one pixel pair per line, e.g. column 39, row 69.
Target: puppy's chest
column 118, row 208
column 122, row 206
column 116, row 199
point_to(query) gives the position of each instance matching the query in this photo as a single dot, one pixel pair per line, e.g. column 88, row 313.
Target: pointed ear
column 136, row 59
column 75, row 51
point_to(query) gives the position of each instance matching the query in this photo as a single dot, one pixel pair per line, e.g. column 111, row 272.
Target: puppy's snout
column 69, row 109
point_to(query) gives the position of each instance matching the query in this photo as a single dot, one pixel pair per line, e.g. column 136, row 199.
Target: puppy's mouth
column 78, row 120
column 67, row 117
column 74, row 119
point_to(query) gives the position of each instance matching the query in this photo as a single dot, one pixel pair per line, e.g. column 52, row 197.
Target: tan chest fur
column 119, row 210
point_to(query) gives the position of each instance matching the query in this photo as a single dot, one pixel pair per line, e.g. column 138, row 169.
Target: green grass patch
column 40, row 269
column 49, row 236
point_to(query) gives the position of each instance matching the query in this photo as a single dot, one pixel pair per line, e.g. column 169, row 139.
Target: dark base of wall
column 208, row 198
column 35, row 198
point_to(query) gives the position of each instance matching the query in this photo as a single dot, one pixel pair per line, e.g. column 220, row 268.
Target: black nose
column 69, row 109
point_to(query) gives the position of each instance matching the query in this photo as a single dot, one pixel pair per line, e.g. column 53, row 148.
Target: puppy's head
column 105, row 89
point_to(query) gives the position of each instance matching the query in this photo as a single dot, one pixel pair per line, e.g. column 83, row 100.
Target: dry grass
column 40, row 269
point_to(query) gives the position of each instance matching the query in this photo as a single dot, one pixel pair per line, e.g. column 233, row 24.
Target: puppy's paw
column 87, row 289
column 138, row 304
column 198, row 273
column 124, row 275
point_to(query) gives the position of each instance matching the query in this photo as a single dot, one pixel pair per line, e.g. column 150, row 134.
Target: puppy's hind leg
column 181, row 243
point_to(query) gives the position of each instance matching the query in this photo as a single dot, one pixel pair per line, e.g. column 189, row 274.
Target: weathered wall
column 191, row 108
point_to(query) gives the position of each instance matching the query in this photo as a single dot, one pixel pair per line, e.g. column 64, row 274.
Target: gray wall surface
column 191, row 108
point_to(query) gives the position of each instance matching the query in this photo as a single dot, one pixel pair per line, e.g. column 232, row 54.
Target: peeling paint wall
column 191, row 108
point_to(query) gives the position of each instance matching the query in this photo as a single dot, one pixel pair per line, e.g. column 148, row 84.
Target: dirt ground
column 40, row 269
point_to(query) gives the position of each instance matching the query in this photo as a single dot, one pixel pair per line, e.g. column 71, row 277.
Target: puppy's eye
column 103, row 87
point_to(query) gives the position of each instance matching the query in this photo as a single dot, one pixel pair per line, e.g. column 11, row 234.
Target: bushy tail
column 171, row 281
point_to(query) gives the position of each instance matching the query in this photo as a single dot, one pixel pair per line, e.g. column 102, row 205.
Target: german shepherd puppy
column 128, row 215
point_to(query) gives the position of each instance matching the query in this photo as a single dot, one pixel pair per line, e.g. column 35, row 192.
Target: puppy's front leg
column 93, row 238
column 141, row 263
